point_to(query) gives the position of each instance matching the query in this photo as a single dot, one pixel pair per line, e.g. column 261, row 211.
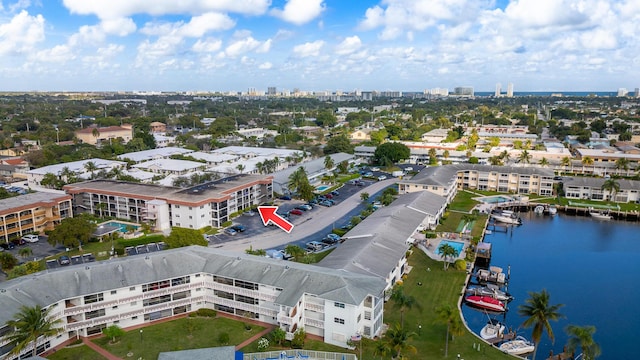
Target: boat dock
column 503, row 337
column 564, row 355
column 572, row 209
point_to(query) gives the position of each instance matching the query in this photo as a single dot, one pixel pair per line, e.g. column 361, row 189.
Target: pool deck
column 430, row 246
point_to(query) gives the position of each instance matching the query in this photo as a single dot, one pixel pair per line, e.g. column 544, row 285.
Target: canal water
column 590, row 266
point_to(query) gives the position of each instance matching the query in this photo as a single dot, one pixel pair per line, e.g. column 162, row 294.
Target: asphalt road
column 311, row 225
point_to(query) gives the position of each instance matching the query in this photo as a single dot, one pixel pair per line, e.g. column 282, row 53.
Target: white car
column 31, row 238
column 382, row 177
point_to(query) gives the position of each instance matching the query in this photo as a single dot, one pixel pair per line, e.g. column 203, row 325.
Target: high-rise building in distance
column 498, row 90
column 623, row 92
column 510, row 90
column 463, row 91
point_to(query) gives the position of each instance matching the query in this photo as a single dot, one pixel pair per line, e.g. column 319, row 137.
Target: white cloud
column 242, row 46
column 21, row 33
column 19, row 5
column 300, row 11
column 406, row 16
column 196, row 27
column 308, row 49
column 107, row 9
column 599, row 39
column 57, row 54
column 265, row 66
column 207, row 45
column 90, row 34
column 150, row 51
column 349, row 45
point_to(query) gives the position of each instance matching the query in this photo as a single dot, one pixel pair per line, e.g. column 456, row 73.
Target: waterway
column 590, row 266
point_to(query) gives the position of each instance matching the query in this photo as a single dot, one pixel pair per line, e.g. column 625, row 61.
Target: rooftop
column 29, row 200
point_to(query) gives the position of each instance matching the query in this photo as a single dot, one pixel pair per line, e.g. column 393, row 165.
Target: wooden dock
column 632, row 215
column 564, row 355
column 504, row 337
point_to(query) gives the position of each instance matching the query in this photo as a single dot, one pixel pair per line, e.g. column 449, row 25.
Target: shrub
column 206, row 312
column 460, row 264
column 263, row 344
column 298, row 339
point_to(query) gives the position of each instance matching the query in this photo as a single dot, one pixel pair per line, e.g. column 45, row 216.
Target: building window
column 337, row 304
column 94, row 314
column 113, row 292
column 133, row 288
column 338, row 321
column 90, row 299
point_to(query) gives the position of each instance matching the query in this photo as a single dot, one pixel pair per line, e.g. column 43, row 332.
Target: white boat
column 492, row 330
column 553, row 210
column 538, row 210
column 489, row 290
column 600, row 215
column 493, row 275
column 518, row 346
column 507, row 217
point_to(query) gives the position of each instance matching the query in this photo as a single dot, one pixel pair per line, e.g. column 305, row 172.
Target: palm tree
column 240, row 168
column 586, row 161
column 31, row 323
column 403, row 301
column 25, row 252
column 364, row 196
column 96, row 133
column 328, row 163
column 295, row 251
column 397, row 340
column 381, row 349
column 544, row 162
column 611, row 186
column 524, row 157
column 539, row 312
column 622, row 163
column 582, row 336
column 504, row 155
column 566, row 162
column 447, row 251
column 449, row 316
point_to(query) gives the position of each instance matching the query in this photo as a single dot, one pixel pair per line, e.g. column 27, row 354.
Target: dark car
column 335, row 193
column 285, row 197
column 7, row 246
column 64, row 260
column 18, row 242
column 239, row 228
column 295, row 212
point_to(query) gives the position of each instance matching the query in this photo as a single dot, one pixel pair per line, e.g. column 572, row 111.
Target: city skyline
column 316, row 45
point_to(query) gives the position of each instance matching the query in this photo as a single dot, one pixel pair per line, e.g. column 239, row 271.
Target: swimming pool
column 494, row 199
column 123, row 226
column 322, row 188
column 458, row 246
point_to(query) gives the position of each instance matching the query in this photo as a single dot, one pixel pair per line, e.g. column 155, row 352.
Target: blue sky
column 233, row 45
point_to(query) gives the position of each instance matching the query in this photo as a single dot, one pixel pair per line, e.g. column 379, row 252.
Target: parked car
column 335, row 193
column 31, row 238
column 331, row 239
column 375, row 168
column 7, row 246
column 304, row 207
column 314, row 245
column 382, row 177
column 408, row 168
column 285, row 197
column 18, row 242
column 64, row 260
column 230, row 231
column 326, row 203
column 328, row 196
column 295, row 212
column 238, row 228
column 285, row 255
column 368, row 174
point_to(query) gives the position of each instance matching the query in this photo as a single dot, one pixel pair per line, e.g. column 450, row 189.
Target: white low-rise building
column 78, row 169
column 136, row 290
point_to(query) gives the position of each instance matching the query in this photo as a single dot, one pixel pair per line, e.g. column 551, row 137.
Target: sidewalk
column 99, row 350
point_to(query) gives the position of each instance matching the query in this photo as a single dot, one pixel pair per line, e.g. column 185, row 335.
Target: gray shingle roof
column 376, row 244
column 442, row 175
column 53, row 285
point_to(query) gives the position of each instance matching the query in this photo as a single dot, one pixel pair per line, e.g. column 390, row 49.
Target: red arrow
column 268, row 213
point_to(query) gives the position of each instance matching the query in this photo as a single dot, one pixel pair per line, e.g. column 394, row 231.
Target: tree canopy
column 72, row 231
column 391, row 152
column 181, row 237
column 337, row 144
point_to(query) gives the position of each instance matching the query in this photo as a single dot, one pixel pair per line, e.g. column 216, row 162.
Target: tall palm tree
column 586, row 161
column 538, row 313
column 525, row 157
column 382, row 349
column 328, row 163
column 446, row 315
column 566, row 162
column 403, row 301
column 582, row 336
column 397, row 340
column 544, row 162
column 612, row 186
column 622, row 163
column 240, row 168
column 295, row 251
column 447, row 252
column 29, row 324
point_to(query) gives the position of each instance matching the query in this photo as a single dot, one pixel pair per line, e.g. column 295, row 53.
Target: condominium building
column 208, row 204
column 32, row 213
column 331, row 304
column 97, row 135
column 445, row 180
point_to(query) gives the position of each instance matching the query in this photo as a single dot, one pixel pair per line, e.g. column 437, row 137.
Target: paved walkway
column 107, row 355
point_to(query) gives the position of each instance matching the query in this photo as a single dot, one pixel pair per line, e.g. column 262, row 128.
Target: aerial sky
column 319, row 45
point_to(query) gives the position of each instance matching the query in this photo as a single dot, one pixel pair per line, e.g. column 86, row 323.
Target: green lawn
column 78, row 352
column 180, row 334
column 463, row 201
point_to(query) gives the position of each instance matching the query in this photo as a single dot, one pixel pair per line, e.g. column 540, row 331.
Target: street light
column 57, row 135
column 141, row 335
